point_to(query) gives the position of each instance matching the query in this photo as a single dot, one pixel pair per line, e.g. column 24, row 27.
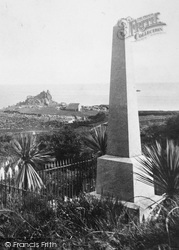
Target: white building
column 73, row 107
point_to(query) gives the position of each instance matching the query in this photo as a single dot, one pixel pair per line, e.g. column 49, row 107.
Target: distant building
column 73, row 107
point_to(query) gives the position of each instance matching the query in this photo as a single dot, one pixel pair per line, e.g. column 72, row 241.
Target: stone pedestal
column 116, row 177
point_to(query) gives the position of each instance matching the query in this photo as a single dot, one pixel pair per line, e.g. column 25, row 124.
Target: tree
column 160, row 167
column 167, row 130
column 172, row 128
column 96, row 140
column 153, row 133
column 66, row 143
column 99, row 117
column 25, row 155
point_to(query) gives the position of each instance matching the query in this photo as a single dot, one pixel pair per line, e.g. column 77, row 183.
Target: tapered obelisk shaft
column 123, row 124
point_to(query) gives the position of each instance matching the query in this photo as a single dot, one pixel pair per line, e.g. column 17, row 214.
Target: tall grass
column 86, row 222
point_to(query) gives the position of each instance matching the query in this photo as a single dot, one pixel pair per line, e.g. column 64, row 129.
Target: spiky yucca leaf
column 97, row 140
column 160, row 167
column 27, row 155
column 29, row 179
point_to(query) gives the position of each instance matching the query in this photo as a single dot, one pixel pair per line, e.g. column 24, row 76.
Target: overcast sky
column 49, row 44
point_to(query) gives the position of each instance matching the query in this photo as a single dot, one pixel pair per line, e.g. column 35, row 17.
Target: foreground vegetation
column 86, row 223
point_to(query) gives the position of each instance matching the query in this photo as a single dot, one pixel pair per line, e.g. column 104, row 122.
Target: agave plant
column 26, row 158
column 160, row 167
column 97, row 140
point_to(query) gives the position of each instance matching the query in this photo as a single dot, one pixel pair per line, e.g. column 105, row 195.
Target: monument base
column 116, row 177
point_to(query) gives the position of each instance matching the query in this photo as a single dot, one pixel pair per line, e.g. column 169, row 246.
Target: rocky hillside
column 42, row 99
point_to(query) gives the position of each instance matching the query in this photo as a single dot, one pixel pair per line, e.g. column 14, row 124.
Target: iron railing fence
column 69, row 177
column 66, row 178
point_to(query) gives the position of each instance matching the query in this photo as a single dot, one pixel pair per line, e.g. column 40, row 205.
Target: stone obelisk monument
column 116, row 170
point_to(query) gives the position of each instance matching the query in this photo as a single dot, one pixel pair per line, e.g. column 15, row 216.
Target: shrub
column 160, row 168
column 65, row 143
column 99, row 117
column 153, row 133
column 168, row 130
column 96, row 140
column 172, row 128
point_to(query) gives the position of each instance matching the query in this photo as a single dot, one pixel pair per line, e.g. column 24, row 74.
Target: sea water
column 150, row 96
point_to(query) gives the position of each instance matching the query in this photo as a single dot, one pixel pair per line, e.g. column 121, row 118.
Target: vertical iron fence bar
column 95, row 171
column 80, row 177
column 89, row 174
column 1, row 185
column 71, row 178
column 62, row 183
column 57, row 184
column 86, row 176
column 77, row 179
column 66, row 178
column 9, row 196
column 5, row 200
column 83, row 179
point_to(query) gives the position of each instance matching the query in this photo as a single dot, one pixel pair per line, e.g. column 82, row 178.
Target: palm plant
column 96, row 140
column 160, row 167
column 27, row 157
